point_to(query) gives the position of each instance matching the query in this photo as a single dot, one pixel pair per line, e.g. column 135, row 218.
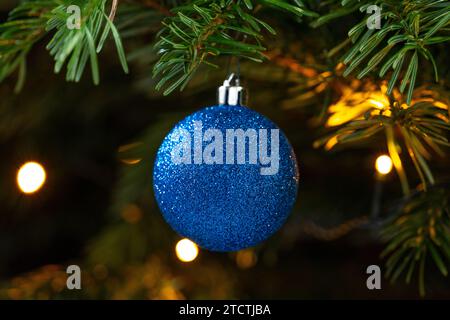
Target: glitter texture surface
column 225, row 207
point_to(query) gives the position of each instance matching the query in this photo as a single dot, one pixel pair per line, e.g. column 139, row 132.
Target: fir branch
column 410, row 28
column 420, row 232
column 203, row 29
column 335, row 9
column 25, row 26
column 422, row 126
column 77, row 46
column 32, row 20
column 113, row 11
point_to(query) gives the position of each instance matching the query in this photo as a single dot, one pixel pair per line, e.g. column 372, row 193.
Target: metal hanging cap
column 231, row 93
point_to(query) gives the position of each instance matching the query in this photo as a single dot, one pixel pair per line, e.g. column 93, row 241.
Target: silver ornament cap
column 231, row 93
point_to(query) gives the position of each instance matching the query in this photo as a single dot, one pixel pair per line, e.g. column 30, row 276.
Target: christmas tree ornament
column 226, row 177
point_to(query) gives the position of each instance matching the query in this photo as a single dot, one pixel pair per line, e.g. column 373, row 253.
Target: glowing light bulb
column 31, row 177
column 376, row 103
column 383, row 164
column 186, row 250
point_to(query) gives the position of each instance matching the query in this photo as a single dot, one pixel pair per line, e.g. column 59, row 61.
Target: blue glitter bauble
column 224, row 207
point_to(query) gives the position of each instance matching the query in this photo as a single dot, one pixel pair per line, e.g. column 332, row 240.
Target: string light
column 31, row 177
column 383, row 164
column 186, row 250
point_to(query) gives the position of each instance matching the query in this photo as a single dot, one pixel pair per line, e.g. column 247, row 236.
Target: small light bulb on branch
column 383, row 164
column 31, row 177
column 186, row 250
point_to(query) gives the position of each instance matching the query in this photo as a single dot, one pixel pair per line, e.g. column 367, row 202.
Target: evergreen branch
column 113, row 11
column 335, row 10
column 423, row 126
column 77, row 46
column 204, row 29
column 32, row 20
column 421, row 231
column 410, row 28
column 25, row 26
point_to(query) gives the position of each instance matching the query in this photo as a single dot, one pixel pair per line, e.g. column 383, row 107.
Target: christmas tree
column 361, row 89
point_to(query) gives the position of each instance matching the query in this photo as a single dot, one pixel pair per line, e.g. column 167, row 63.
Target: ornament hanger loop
column 232, row 79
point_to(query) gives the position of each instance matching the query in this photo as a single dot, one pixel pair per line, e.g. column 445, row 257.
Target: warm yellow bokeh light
column 383, row 164
column 30, row 177
column 186, row 250
column 377, row 103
